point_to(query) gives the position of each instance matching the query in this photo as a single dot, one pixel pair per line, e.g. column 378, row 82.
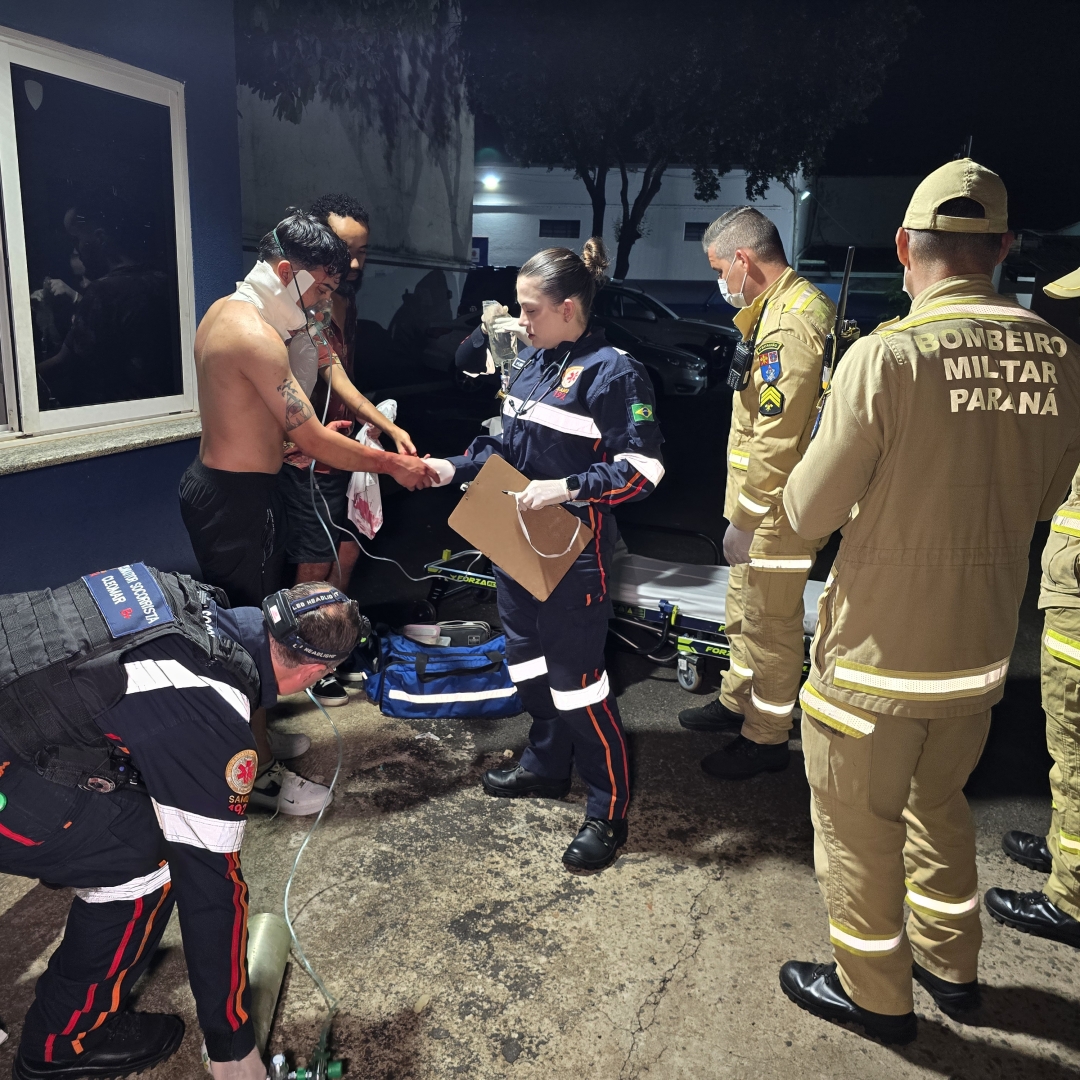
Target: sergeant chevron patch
column 770, row 401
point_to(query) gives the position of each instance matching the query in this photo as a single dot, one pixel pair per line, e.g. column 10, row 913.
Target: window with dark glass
column 695, row 230
column 560, row 229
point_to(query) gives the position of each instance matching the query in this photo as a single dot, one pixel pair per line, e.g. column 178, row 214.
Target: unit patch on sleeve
column 770, row 401
column 240, row 772
column 640, row 412
column 768, row 357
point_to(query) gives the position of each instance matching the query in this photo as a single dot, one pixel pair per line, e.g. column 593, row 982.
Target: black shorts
column 236, row 522
column 305, row 538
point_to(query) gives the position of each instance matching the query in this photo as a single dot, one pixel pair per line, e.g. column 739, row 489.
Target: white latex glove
column 492, row 311
column 737, row 545
column 443, row 468
column 542, row 493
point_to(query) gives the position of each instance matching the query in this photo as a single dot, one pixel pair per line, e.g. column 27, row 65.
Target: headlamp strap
column 282, row 616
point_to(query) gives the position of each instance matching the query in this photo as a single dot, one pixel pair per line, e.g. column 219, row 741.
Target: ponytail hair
column 563, row 275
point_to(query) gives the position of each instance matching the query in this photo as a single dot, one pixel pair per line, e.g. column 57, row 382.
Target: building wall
column 68, row 520
column 510, row 216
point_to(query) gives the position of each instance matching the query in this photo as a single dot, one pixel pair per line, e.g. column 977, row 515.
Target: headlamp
column 282, row 617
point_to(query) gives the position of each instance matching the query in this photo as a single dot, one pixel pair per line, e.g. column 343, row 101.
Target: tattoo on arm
column 297, row 410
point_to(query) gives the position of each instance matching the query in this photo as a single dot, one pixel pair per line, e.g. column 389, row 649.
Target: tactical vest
column 61, row 668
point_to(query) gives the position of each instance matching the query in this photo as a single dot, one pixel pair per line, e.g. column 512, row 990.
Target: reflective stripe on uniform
column 858, row 943
column 445, row 699
column 739, row 461
column 918, row 685
column 184, row 827
column 742, row 672
column 146, row 675
column 951, row 311
column 753, row 507
column 130, row 890
column 649, row 467
column 846, row 719
column 769, row 707
column 1068, row 841
column 931, row 904
column 1062, row 647
column 550, row 417
column 1066, row 521
column 779, row 562
column 527, row 669
column 568, row 700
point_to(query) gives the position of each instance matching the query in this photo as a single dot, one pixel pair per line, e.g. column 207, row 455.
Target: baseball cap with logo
column 1065, row 288
column 963, row 179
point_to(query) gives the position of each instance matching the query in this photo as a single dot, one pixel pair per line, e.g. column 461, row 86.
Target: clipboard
column 488, row 519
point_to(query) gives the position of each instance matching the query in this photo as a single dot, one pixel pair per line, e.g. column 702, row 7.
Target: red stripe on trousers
column 607, row 752
column 234, row 1010
column 625, row 760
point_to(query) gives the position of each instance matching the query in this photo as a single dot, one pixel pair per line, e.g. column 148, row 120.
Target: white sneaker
column 282, row 790
column 283, row 744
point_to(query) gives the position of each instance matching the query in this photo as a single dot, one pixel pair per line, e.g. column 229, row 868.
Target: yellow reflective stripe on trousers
column 739, row 461
column 920, row 685
column 1066, row 521
column 785, row 709
column 849, row 721
column 742, row 672
column 1062, row 647
column 780, row 562
column 1068, row 841
column 753, row 507
column 862, row 944
column 937, row 907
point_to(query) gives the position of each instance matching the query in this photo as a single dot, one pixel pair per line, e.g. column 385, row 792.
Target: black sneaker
column 1029, row 850
column 517, row 782
column 329, row 692
column 130, row 1043
column 817, row 989
column 741, row 759
column 711, row 717
column 596, row 845
column 956, row 1000
column 1033, row 913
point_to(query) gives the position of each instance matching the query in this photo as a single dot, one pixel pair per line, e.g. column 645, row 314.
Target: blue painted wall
column 67, row 520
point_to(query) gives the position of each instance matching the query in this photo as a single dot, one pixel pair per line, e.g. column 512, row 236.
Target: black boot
column 956, row 1000
column 130, row 1043
column 741, row 759
column 1029, row 850
column 515, row 782
column 1034, row 913
column 596, row 845
column 712, row 717
column 817, row 989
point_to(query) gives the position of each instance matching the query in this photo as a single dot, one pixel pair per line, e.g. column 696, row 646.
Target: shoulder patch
column 240, row 772
column 770, row 401
column 640, row 412
column 768, row 358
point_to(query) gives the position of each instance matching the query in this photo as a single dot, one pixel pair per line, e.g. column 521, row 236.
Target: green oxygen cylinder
column 267, row 952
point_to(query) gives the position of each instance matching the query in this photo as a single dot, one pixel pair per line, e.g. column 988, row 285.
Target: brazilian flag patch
column 639, row 412
column 770, row 401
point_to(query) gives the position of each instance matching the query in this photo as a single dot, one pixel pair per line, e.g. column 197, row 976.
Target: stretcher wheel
column 688, row 672
column 425, row 612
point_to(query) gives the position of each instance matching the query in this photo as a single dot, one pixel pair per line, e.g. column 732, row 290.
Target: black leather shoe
column 741, row 759
column 596, row 845
column 817, row 989
column 956, row 1000
column 1028, row 850
column 1034, row 913
column 131, row 1043
column 711, row 717
column 516, row 782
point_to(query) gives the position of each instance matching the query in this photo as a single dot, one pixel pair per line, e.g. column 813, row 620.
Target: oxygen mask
column 505, row 337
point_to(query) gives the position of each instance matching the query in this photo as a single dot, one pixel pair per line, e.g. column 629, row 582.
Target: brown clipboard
column 487, row 518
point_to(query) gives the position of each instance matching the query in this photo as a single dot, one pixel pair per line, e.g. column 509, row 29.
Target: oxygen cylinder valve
column 320, row 1069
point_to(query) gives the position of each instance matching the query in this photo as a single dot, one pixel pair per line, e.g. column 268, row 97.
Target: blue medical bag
column 417, row 682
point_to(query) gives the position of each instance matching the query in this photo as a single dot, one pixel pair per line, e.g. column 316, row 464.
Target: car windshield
column 621, row 304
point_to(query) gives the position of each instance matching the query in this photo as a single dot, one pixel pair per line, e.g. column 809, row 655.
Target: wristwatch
column 573, row 483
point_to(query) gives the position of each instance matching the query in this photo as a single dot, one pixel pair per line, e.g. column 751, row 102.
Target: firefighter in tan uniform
column 786, row 320
column 944, row 436
column 1054, row 911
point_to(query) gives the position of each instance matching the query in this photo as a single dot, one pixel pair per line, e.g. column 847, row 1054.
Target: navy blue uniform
column 132, row 854
column 585, row 412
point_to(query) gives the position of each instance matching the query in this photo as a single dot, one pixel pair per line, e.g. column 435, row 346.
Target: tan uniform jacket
column 944, row 436
column 1061, row 556
column 772, row 418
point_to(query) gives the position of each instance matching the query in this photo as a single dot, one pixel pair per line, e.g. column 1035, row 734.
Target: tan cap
column 1065, row 288
column 963, row 179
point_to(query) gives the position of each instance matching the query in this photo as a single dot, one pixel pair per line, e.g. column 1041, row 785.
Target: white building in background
column 519, row 211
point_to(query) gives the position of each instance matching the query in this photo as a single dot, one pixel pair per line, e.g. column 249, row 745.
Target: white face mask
column 735, row 299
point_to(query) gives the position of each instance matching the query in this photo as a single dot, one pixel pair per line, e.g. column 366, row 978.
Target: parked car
column 681, row 355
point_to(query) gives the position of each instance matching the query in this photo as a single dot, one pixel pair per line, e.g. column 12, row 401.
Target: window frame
column 17, row 357
column 563, row 235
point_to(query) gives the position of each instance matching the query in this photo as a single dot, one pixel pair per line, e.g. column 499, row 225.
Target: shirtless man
column 250, row 405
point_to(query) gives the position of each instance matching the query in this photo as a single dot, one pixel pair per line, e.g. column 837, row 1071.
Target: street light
column 490, row 182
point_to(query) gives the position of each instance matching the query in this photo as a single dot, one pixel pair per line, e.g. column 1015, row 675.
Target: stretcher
column 672, row 613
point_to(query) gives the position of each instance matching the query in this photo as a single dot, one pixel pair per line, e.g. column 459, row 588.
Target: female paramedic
column 578, row 420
